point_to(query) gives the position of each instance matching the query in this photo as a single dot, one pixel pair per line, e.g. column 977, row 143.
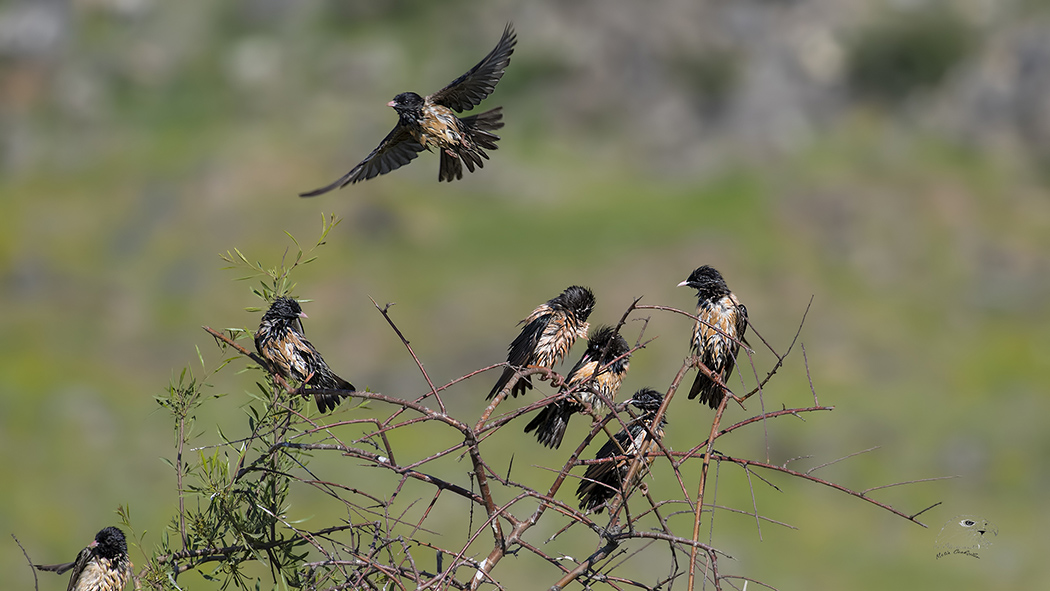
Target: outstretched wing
column 397, row 149
column 56, row 568
column 77, row 567
column 467, row 91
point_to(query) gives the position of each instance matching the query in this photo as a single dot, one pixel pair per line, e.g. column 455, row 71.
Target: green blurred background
column 887, row 159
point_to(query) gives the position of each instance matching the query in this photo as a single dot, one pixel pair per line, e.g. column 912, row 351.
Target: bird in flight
column 430, row 122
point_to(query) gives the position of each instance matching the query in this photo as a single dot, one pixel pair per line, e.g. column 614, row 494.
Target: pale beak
column 684, row 283
column 391, row 104
column 303, row 315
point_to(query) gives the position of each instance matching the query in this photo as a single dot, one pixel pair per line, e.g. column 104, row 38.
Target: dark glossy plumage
column 603, row 481
column 719, row 307
column 281, row 343
column 430, row 122
column 102, row 566
column 549, row 332
column 552, row 420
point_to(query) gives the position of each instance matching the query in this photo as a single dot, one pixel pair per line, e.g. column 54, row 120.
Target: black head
column 406, row 102
column 284, row 308
column 647, row 400
column 110, row 543
column 606, row 335
column 578, row 300
column 707, row 281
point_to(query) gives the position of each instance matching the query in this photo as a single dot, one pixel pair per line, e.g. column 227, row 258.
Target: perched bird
column 603, row 481
column 549, row 332
column 429, row 122
column 552, row 420
column 102, row 566
column 719, row 308
column 281, row 342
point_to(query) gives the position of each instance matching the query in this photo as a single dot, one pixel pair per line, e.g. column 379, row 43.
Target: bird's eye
column 967, row 523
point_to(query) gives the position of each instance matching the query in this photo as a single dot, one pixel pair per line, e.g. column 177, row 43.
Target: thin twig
column 385, row 311
column 700, row 494
column 29, row 561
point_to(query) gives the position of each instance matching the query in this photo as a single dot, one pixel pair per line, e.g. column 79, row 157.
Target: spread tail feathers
column 478, row 127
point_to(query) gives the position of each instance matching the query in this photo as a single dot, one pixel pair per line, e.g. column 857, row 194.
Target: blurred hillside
column 885, row 158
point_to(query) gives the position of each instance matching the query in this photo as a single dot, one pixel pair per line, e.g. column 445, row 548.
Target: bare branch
column 29, row 561
column 385, row 311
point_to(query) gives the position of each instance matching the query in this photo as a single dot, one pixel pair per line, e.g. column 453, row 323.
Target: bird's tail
column 710, row 393
column 595, row 492
column 328, row 401
column 472, row 153
column 523, row 384
column 550, row 424
column 481, row 124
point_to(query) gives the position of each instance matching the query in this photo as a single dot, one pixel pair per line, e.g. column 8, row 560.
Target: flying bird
column 717, row 335
column 281, row 343
column 549, row 332
column 426, row 123
column 603, row 481
column 551, row 422
column 102, row 566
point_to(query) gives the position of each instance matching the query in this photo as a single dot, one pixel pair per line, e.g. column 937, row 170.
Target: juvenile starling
column 281, row 342
column 549, row 332
column 603, row 481
column 552, row 420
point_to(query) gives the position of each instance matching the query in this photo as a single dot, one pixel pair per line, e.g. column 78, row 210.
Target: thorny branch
column 387, row 541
